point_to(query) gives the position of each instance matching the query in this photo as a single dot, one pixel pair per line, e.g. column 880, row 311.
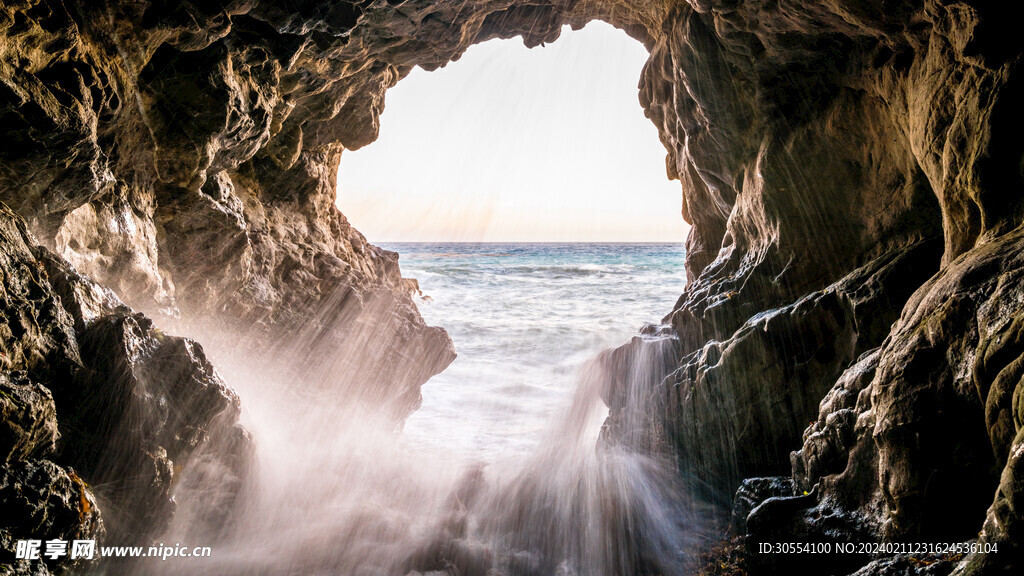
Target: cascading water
column 508, row 468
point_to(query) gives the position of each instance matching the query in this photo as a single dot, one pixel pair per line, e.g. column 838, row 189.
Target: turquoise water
column 524, row 318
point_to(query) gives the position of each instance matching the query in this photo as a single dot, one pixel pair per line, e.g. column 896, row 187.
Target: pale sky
column 514, row 144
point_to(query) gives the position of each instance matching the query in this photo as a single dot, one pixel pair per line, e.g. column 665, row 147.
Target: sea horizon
column 525, row 317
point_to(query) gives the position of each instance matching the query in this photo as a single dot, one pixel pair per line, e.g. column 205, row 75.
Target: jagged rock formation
column 98, row 405
column 185, row 155
column 852, row 171
column 825, row 143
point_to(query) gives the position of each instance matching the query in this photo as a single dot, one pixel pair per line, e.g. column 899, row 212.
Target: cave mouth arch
column 506, row 147
column 516, row 144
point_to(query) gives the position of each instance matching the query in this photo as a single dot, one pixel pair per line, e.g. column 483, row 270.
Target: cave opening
column 525, row 191
column 512, row 144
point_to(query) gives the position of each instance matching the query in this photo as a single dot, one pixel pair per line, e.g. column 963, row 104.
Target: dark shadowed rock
column 910, row 565
column 96, row 387
column 142, row 403
column 735, row 407
column 840, row 423
column 36, row 333
column 28, row 419
column 43, row 501
column 751, row 493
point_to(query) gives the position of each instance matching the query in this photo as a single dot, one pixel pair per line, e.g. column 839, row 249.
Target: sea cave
column 836, row 389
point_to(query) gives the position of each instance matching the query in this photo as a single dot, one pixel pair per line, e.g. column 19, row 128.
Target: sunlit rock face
column 185, row 155
column 852, row 172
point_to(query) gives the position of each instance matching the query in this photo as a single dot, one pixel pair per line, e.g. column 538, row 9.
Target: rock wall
column 852, row 171
column 825, row 150
column 185, row 155
column 100, row 409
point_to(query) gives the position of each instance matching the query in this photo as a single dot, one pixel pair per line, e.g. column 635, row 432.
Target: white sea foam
column 499, row 472
column 512, row 337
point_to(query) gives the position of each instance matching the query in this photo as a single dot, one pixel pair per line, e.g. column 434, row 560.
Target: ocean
column 499, row 468
column 524, row 318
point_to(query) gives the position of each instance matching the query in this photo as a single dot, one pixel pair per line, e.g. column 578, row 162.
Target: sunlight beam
column 514, row 144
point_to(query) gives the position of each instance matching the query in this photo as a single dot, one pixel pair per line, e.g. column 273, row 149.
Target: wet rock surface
column 186, row 157
column 852, row 172
column 98, row 406
column 28, row 418
column 43, row 501
column 736, row 407
column 910, row 565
